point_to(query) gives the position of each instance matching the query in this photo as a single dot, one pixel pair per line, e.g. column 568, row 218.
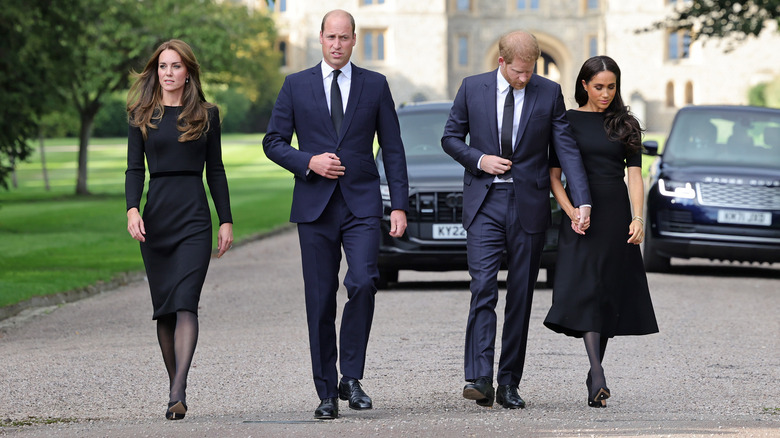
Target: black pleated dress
column 600, row 282
column 176, row 215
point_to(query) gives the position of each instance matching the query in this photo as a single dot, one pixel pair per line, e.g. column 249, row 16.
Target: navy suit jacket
column 542, row 124
column 302, row 108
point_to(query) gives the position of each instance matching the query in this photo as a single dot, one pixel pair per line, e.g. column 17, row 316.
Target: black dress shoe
column 176, row 410
column 507, row 396
column 328, row 409
column 480, row 390
column 352, row 391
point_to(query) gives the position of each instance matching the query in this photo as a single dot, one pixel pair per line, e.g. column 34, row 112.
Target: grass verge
column 53, row 241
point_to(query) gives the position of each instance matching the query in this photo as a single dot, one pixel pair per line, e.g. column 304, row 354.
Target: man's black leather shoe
column 328, row 409
column 352, row 391
column 480, row 390
column 507, row 396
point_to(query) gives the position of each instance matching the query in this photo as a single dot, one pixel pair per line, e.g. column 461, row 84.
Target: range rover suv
column 435, row 239
column 715, row 191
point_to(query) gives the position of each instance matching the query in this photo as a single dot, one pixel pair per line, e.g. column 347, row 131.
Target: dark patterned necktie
column 506, row 124
column 336, row 106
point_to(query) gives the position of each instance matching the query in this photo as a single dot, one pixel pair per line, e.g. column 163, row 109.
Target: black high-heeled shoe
column 599, row 400
column 176, row 410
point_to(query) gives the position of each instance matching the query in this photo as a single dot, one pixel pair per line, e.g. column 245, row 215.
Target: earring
column 187, row 81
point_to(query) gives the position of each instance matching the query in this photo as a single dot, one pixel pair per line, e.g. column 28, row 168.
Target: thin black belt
column 502, row 186
column 175, row 173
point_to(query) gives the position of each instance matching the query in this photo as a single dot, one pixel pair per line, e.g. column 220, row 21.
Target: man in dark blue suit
column 335, row 108
column 512, row 118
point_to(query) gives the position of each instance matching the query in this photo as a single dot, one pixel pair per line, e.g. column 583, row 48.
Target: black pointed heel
column 176, row 410
column 600, row 399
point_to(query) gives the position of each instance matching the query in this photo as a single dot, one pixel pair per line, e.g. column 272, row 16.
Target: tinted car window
column 725, row 138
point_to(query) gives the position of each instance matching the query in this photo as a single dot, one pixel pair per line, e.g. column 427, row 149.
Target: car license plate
column 448, row 231
column 744, row 217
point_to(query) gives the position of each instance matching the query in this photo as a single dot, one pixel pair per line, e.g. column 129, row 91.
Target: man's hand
column 495, row 165
column 327, row 165
column 583, row 219
column 397, row 223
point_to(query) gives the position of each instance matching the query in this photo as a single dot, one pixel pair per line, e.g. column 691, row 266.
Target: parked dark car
column 715, row 190
column 435, row 239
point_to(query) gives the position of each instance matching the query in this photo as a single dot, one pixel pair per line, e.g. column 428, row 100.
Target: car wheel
column 653, row 261
column 386, row 276
column 550, row 277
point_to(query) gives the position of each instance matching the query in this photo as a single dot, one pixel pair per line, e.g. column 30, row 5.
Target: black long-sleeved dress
column 176, row 215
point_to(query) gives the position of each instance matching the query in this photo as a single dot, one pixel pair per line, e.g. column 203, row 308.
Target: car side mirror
column 651, row 147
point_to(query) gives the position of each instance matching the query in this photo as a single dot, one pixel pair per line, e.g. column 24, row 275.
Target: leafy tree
column 30, row 67
column 82, row 51
column 232, row 44
column 733, row 20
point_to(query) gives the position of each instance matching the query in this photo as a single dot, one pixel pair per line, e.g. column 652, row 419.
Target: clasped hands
column 328, row 165
column 495, row 165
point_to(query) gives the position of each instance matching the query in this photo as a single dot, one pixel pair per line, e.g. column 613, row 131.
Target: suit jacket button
column 487, row 186
column 338, row 149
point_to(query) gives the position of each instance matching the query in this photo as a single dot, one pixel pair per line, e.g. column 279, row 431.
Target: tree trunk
column 43, row 162
column 14, row 182
column 87, row 119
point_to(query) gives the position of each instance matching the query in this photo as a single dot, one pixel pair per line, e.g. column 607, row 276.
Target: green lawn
column 53, row 241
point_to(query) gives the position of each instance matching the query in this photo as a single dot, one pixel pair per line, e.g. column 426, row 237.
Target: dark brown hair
column 619, row 123
column 144, row 101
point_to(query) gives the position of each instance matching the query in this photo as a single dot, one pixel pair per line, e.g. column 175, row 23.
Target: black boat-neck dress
column 600, row 283
column 176, row 215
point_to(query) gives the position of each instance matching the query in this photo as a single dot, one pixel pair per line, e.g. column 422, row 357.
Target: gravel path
column 93, row 368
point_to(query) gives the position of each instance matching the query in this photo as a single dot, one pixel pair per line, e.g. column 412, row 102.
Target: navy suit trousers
column 496, row 229
column 321, row 242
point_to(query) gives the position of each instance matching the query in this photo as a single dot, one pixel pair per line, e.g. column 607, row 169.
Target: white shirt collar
column 346, row 71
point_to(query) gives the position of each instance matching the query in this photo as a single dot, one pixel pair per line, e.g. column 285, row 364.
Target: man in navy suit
column 336, row 108
column 512, row 118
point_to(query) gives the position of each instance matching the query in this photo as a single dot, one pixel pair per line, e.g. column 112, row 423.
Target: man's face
column 517, row 73
column 337, row 40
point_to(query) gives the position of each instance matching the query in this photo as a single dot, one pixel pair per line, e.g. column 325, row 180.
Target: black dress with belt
column 176, row 215
column 600, row 282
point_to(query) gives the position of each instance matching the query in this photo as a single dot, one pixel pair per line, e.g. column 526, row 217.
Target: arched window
column 670, row 94
column 689, row 93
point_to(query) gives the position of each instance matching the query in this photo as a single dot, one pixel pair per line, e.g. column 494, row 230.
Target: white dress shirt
column 345, row 79
column 502, row 88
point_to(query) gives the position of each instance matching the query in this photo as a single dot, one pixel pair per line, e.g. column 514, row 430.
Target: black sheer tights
column 178, row 335
column 595, row 346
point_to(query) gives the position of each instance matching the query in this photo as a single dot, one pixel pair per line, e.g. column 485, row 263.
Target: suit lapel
column 489, row 96
column 355, row 88
column 528, row 107
column 320, row 101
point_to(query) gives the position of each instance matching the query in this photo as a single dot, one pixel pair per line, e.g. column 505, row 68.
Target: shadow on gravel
column 725, row 269
column 443, row 286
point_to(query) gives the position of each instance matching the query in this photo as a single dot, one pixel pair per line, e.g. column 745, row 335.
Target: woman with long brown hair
column 600, row 287
column 177, row 131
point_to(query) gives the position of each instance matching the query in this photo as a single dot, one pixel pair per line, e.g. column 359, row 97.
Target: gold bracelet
column 638, row 218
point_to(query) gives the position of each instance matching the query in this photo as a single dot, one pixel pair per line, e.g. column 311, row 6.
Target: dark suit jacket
column 302, row 108
column 542, row 123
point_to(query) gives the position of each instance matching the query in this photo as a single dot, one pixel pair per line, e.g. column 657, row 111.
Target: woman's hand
column 135, row 225
column 224, row 238
column 574, row 215
column 636, row 230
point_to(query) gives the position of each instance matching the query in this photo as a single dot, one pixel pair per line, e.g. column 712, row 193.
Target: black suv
column 715, row 191
column 435, row 239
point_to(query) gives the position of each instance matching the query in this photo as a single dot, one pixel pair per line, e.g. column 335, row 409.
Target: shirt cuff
column 479, row 162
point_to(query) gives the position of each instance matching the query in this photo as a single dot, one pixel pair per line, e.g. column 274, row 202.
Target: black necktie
column 336, row 107
column 506, row 124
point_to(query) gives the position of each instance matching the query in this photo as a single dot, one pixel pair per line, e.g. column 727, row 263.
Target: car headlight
column 676, row 189
column 385, row 191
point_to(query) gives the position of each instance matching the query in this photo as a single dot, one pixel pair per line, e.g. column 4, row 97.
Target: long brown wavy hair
column 619, row 123
column 144, row 101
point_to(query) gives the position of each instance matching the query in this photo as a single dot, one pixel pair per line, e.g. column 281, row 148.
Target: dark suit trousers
column 321, row 243
column 495, row 228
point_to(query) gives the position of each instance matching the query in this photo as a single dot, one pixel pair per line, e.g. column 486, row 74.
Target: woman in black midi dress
column 177, row 131
column 600, row 288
